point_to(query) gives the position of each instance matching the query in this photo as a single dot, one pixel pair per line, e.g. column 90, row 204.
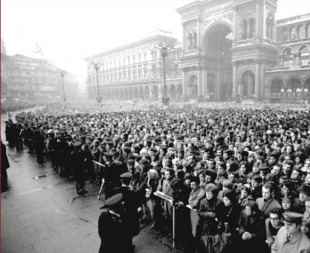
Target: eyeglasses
column 274, row 219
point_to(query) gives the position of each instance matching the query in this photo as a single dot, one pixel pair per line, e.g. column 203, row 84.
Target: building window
column 244, row 29
column 302, row 32
column 251, row 28
column 308, row 31
column 293, row 33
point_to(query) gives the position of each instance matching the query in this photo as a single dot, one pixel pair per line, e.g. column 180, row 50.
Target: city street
column 41, row 212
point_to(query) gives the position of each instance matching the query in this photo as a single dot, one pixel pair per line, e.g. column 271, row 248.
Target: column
column 204, row 81
column 184, row 38
column 200, row 82
column 257, row 81
column 257, row 20
column 235, row 32
column 185, row 91
column 265, row 94
column 218, row 83
column 198, row 34
column 250, row 85
column 281, row 60
column 235, row 81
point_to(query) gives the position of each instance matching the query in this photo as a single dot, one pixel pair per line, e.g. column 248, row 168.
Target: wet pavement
column 41, row 212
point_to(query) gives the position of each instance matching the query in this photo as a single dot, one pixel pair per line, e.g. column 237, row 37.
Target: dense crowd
column 239, row 175
column 11, row 106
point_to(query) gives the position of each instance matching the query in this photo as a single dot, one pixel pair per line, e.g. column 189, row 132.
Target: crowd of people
column 12, row 106
column 238, row 175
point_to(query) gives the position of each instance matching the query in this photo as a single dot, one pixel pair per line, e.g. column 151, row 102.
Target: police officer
column 111, row 227
column 290, row 238
column 129, row 211
column 78, row 173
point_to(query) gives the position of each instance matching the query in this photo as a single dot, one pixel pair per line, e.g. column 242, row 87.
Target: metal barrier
column 170, row 200
column 102, row 183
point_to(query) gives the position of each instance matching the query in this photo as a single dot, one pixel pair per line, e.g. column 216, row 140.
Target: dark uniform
column 78, row 173
column 112, row 227
column 4, row 166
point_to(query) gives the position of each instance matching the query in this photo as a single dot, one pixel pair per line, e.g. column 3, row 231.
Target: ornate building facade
column 135, row 70
column 229, row 48
column 227, row 45
column 290, row 80
column 37, row 79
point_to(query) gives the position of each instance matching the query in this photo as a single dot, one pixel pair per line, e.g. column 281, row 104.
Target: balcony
column 287, row 68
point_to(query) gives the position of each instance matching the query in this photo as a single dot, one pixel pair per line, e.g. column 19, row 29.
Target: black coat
column 112, row 233
column 4, row 159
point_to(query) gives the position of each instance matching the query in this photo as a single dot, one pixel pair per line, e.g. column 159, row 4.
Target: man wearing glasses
column 273, row 224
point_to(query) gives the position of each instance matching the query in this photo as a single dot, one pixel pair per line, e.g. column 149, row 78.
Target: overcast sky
column 70, row 30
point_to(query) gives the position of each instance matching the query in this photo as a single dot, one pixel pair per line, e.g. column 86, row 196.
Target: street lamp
column 97, row 66
column 62, row 74
column 164, row 53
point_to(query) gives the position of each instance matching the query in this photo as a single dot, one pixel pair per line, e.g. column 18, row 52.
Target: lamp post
column 164, row 53
column 97, row 66
column 62, row 74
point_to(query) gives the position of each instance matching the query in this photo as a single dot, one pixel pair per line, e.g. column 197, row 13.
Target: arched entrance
column 179, row 91
column 277, row 90
column 172, row 92
column 217, row 45
column 130, row 94
column 135, row 93
column 193, row 87
column 147, row 93
column 141, row 95
column 155, row 92
column 277, row 85
column 293, row 84
column 126, row 94
column 247, row 84
column 121, row 91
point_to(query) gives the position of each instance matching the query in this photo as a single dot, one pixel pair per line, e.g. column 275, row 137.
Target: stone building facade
column 229, row 49
column 35, row 79
column 135, row 70
column 289, row 81
column 227, row 45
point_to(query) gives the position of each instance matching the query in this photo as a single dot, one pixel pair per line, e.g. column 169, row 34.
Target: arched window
column 304, row 55
column 154, row 71
column 276, row 85
column 293, row 33
column 284, row 32
column 294, row 84
column 288, row 57
column 267, row 28
column 252, row 28
column 271, row 28
column 308, row 31
column 245, row 29
column 302, row 32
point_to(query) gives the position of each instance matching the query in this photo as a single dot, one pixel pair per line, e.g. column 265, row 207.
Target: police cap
column 126, row 175
column 292, row 217
column 112, row 200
